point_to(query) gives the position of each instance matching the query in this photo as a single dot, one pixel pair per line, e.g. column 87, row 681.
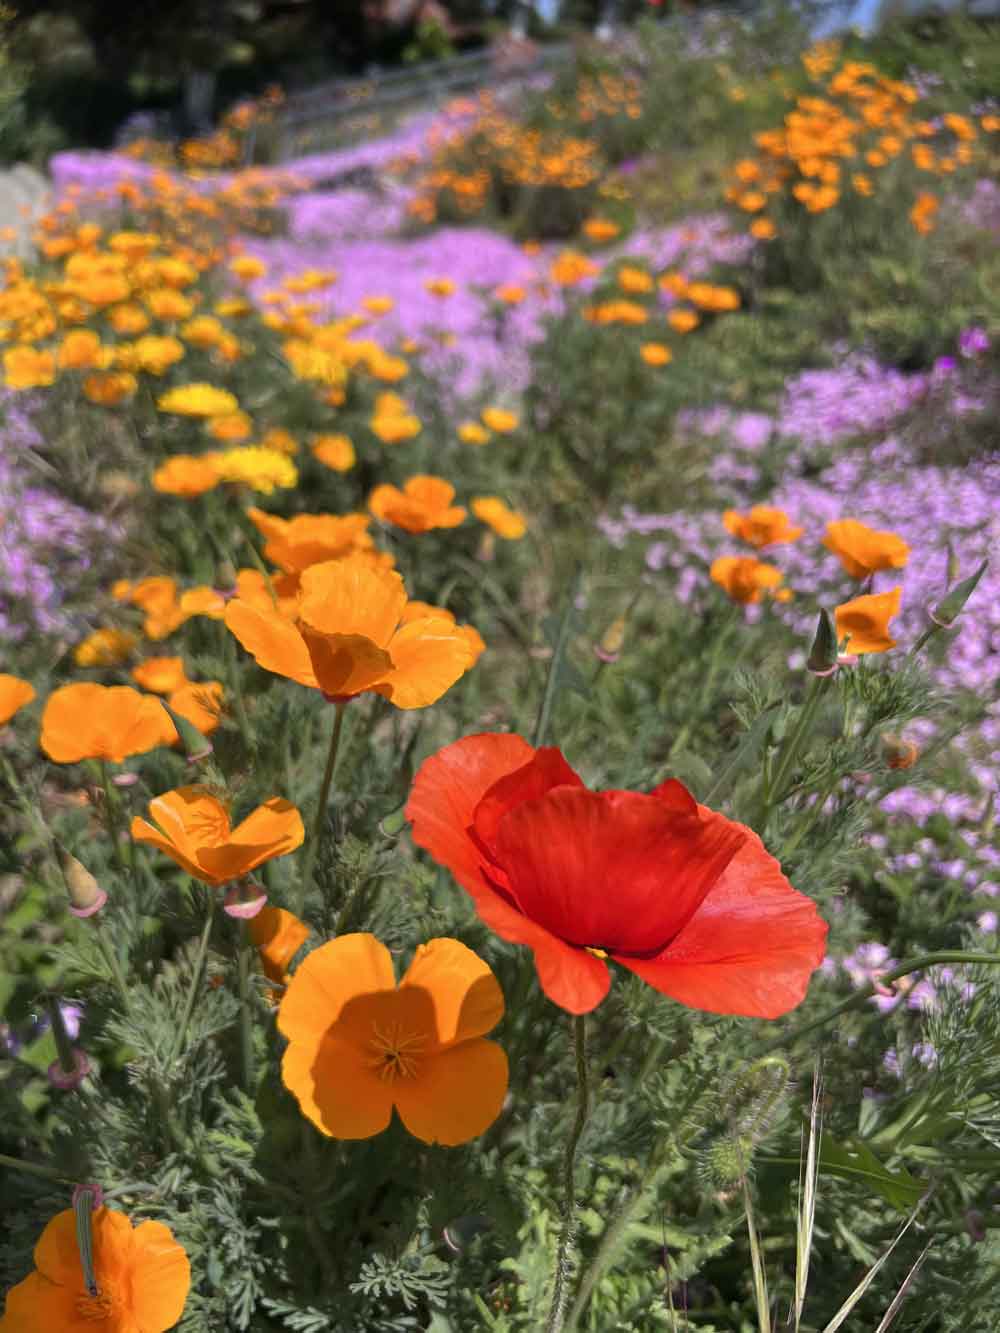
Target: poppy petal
column 57, row 1251
column 142, row 831
column 273, row 642
column 273, row 829
column 428, row 657
column 467, row 998
column 345, row 664
column 456, row 1095
column 161, row 1277
column 446, row 790
column 327, row 979
column 14, row 694
column 612, row 870
column 352, row 597
column 278, row 935
column 335, row 1085
column 571, row 977
column 545, row 769
column 749, row 949
column 38, row 1303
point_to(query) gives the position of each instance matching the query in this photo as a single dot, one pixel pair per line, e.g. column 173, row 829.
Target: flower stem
column 858, row 999
column 312, row 850
column 34, row 1169
column 246, row 1015
column 790, row 752
column 558, row 653
column 195, row 987
column 560, row 1291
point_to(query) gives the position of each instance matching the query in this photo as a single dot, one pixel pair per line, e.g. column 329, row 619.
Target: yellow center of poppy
column 102, row 1304
column 395, row 1052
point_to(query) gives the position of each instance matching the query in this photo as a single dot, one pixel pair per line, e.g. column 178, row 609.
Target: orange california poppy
column 161, row 675
column 293, row 544
column 744, row 577
column 498, row 515
column 499, row 419
column 142, row 1276
column 762, row 526
column 278, row 936
column 185, row 475
column 87, row 721
column 359, row 1045
column 656, row 354
column 14, row 694
column 348, row 637
column 863, row 550
column 864, row 622
column 192, row 827
column 334, row 451
column 424, row 502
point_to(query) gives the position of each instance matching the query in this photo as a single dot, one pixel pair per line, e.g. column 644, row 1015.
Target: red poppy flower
column 684, row 897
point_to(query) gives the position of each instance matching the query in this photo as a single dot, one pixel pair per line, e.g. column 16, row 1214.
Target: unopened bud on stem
column 86, row 897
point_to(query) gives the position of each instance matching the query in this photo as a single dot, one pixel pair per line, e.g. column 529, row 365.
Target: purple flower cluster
column 46, row 543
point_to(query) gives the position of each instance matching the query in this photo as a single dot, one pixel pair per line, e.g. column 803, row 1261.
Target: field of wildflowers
column 500, row 711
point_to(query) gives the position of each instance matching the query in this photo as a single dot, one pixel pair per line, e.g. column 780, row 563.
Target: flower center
column 395, row 1052
column 100, row 1305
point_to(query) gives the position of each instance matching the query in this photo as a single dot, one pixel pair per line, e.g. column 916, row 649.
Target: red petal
column 546, row 769
column 448, row 787
column 569, row 976
column 749, row 949
column 675, row 796
column 612, row 870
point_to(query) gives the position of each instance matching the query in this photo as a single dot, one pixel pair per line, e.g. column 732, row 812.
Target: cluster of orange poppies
column 863, row 622
column 496, row 152
column 854, row 123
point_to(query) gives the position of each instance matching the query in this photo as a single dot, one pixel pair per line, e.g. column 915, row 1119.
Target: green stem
column 558, row 652
column 925, row 638
column 113, row 820
column 235, row 684
column 858, row 999
column 556, row 1321
column 34, row 1169
column 792, row 747
column 309, row 864
column 195, row 987
column 246, row 1013
column 616, row 1227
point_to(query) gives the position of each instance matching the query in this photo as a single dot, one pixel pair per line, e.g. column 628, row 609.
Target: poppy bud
column 899, row 752
column 71, row 1066
column 225, row 576
column 950, row 607
column 822, row 659
column 196, row 745
column 244, row 899
column 86, row 897
column 87, row 1198
column 610, row 647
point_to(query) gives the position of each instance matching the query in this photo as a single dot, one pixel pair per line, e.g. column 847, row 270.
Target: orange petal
column 346, row 664
column 161, row 1277
column 273, row 829
column 272, row 641
column 334, row 1083
column 467, row 998
column 331, row 975
column 57, row 1254
column 352, row 597
column 14, row 694
column 456, row 1095
column 278, row 936
column 37, row 1303
column 429, row 656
